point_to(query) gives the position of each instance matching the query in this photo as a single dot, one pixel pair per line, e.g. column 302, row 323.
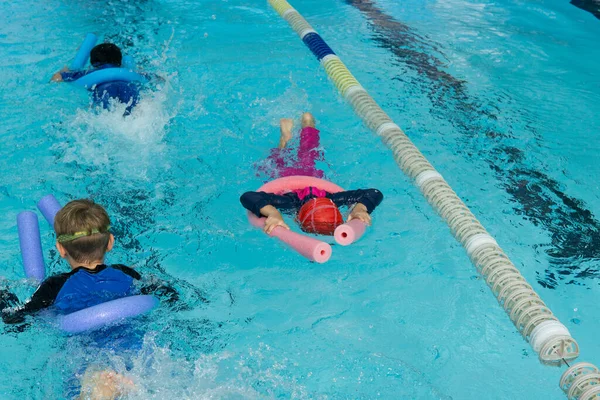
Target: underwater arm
column 153, row 286
column 162, row 290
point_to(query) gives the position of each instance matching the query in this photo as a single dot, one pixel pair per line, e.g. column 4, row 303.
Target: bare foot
column 104, row 385
column 308, row 120
column 285, row 127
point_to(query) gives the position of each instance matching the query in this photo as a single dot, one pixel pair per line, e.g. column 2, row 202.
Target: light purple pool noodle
column 31, row 245
column 49, row 206
column 103, row 314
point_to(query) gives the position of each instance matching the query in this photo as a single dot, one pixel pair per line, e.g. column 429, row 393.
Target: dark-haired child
column 105, row 55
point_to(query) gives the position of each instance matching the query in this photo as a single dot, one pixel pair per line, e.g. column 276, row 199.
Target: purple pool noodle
column 31, row 245
column 49, row 206
column 106, row 313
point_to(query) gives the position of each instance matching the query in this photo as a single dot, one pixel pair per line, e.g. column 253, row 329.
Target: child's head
column 82, row 231
column 319, row 215
column 105, row 53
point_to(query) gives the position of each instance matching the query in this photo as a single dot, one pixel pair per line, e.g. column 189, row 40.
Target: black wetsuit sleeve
column 370, row 198
column 43, row 297
column 165, row 292
column 128, row 271
column 254, row 201
column 160, row 289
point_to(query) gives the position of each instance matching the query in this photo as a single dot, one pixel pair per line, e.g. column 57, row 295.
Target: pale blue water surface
column 501, row 96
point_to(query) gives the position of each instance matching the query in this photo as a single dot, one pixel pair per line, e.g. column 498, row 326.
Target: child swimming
column 317, row 210
column 83, row 238
column 102, row 56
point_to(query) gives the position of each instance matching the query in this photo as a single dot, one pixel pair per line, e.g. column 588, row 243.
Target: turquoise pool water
column 502, row 97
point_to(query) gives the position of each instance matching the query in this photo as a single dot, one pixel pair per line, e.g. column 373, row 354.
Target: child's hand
column 360, row 212
column 57, row 77
column 274, row 221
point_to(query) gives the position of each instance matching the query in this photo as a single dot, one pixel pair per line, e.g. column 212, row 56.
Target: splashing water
column 131, row 146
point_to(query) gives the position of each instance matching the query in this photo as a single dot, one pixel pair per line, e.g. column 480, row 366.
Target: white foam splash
column 158, row 374
column 130, row 146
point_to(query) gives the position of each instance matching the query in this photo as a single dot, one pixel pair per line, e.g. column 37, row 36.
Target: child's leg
column 285, row 129
column 308, row 120
column 308, row 151
column 309, row 140
column 275, row 163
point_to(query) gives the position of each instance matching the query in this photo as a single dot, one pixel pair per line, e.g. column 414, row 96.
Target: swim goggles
column 69, row 238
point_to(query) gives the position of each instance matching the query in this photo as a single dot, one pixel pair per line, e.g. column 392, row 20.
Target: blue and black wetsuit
column 79, row 289
column 125, row 92
column 254, row 201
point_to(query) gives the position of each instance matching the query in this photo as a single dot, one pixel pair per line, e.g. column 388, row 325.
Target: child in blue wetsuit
column 105, row 55
column 83, row 238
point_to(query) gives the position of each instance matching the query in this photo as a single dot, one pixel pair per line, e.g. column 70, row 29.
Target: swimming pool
column 501, row 98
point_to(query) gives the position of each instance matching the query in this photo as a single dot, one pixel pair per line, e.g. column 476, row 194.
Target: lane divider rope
column 530, row 315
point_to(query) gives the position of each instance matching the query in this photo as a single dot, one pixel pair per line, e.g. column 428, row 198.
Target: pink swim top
column 310, row 190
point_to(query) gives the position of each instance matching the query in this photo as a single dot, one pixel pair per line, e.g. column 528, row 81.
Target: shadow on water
column 573, row 229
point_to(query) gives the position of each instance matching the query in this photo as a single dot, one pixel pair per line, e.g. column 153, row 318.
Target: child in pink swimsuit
column 304, row 161
column 323, row 212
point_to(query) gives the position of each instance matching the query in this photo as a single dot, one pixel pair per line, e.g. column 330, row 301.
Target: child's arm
column 274, row 219
column 156, row 287
column 152, row 77
column 365, row 200
column 57, row 77
column 264, row 204
column 359, row 211
column 64, row 75
column 162, row 290
column 256, row 201
column 43, row 297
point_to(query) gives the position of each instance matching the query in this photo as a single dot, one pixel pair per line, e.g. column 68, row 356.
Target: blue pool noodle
column 84, row 52
column 109, row 75
column 128, row 63
column 49, row 206
column 31, row 245
column 102, row 314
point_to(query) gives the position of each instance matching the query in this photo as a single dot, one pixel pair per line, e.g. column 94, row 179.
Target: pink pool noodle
column 349, row 232
column 295, row 182
column 311, row 248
